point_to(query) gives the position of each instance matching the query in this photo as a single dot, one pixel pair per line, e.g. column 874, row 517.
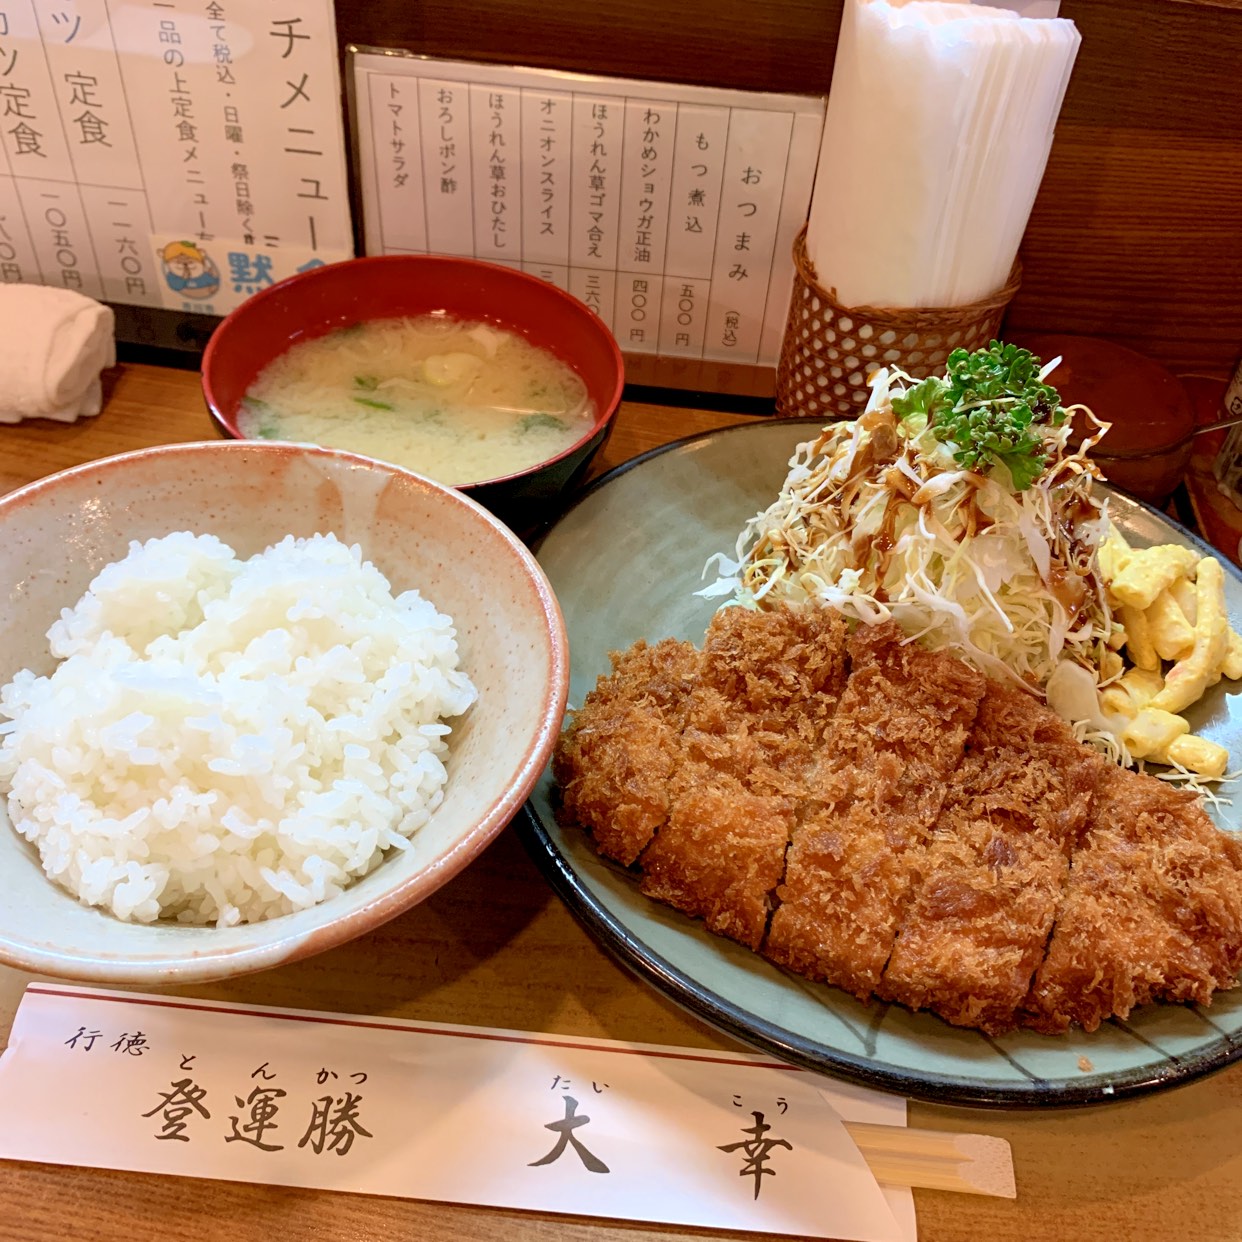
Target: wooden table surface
column 495, row 947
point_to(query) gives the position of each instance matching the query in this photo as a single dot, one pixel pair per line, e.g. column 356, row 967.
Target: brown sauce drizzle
column 1067, row 588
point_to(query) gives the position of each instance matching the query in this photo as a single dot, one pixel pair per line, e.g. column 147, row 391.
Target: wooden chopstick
column 971, row 1164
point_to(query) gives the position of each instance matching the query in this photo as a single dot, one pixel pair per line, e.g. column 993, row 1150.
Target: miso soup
column 458, row 401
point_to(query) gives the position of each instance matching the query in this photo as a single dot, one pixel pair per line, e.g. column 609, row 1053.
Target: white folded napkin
column 53, row 345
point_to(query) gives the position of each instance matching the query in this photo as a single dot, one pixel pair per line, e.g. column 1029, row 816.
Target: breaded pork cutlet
column 925, row 837
column 767, row 686
column 781, row 673
column 995, row 869
column 616, row 759
column 719, row 855
column 1152, row 911
column 897, row 736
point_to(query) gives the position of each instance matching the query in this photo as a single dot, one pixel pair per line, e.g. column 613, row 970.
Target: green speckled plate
column 625, row 562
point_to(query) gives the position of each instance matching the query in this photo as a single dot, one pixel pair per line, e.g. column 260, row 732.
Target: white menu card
column 669, row 210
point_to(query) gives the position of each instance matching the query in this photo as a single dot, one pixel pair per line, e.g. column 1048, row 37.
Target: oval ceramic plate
column 625, row 562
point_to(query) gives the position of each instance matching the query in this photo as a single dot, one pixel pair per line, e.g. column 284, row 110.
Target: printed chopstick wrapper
column 505, row 1119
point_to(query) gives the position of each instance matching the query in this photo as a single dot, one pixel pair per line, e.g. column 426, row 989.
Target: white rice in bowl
column 228, row 740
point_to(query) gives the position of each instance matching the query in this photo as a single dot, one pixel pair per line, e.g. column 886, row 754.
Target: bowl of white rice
column 255, row 700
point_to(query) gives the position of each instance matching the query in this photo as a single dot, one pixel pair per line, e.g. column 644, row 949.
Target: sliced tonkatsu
column 780, row 674
column 898, row 735
column 615, row 760
column 719, row 855
column 879, row 817
column 1152, row 910
column 767, row 687
column 998, row 861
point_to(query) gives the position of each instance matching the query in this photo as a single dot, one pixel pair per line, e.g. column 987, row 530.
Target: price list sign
column 669, row 210
column 181, row 154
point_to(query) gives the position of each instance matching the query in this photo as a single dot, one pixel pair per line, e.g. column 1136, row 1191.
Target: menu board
column 668, row 210
column 181, row 154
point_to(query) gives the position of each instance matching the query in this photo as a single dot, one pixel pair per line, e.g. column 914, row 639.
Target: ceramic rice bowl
column 57, row 533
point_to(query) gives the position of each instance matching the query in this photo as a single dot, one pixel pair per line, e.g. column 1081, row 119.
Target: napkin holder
column 829, row 350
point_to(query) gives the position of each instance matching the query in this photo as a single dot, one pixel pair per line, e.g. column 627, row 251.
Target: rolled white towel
column 53, row 345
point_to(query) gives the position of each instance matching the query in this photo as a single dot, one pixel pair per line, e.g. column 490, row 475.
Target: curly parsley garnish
column 992, row 409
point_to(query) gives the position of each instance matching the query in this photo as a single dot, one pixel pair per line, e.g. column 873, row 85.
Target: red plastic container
column 387, row 286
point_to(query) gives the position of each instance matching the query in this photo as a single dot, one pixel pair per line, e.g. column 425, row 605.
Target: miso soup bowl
column 340, row 295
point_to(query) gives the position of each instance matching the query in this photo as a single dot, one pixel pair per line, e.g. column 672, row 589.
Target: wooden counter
column 495, row 947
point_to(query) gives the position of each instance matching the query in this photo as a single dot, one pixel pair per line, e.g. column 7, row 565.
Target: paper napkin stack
column 939, row 125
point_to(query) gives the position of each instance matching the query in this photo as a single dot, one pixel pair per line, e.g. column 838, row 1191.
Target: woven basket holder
column 829, row 349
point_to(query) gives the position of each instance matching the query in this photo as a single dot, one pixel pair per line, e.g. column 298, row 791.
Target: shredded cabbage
column 877, row 519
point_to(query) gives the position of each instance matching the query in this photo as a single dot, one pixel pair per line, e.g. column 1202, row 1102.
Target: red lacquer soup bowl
column 341, row 295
